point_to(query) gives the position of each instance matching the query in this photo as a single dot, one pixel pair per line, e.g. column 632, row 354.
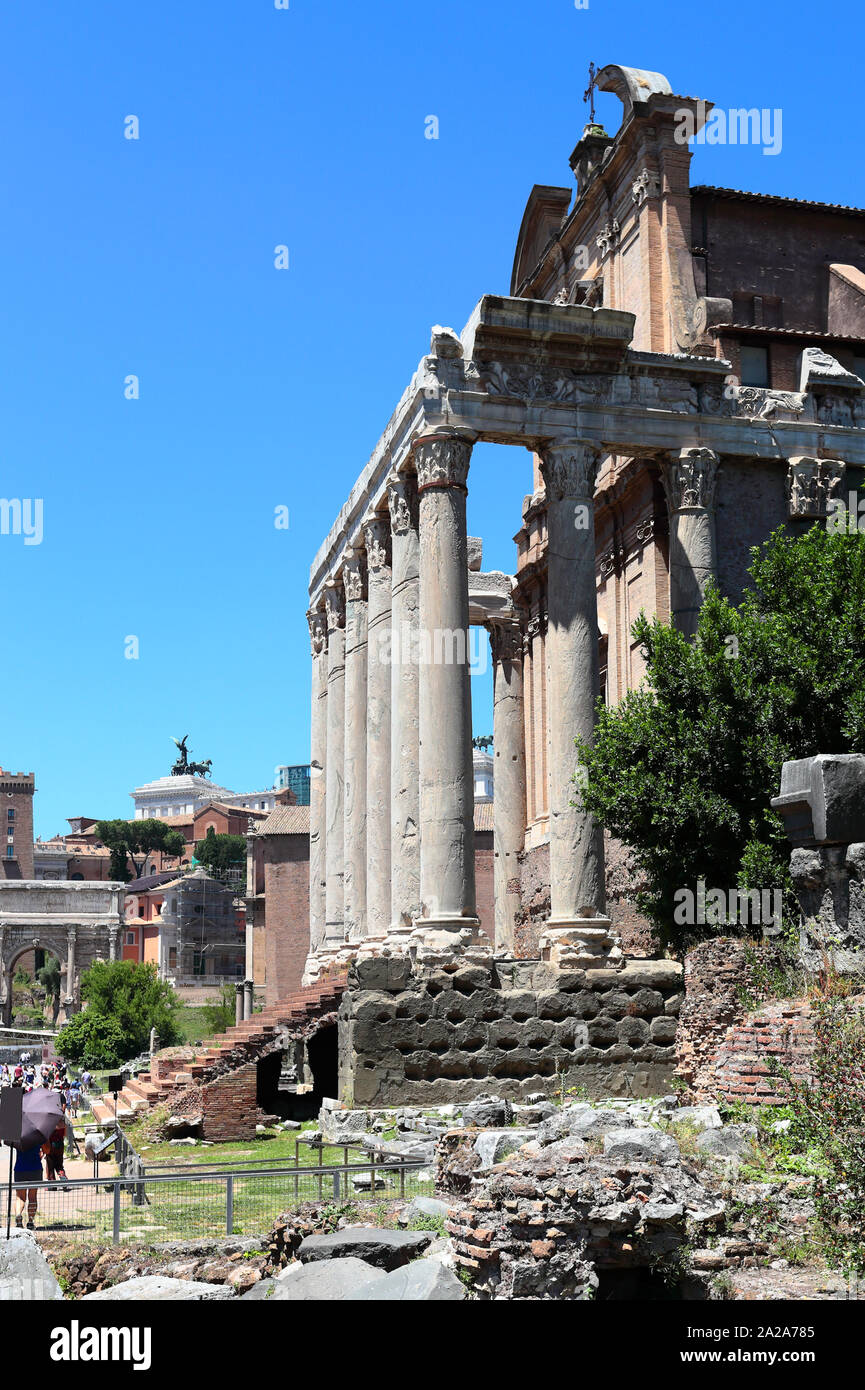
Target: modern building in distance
column 171, row 797
column 295, row 779
column 16, row 824
column 483, row 768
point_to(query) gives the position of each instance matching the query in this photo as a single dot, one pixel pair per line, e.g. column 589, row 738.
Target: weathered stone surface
column 732, row 1141
column 156, row 1287
column 422, row 1206
column 634, row 1145
column 425, row 1281
column 326, row 1280
column 495, row 1144
column 486, row 1111
column 384, row 1249
column 697, row 1116
column 25, row 1274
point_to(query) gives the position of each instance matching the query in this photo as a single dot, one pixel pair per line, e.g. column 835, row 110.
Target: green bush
column 92, row 1040
column 827, row 1110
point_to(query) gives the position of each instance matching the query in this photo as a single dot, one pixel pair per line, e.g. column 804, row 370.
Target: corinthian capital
column 506, row 640
column 812, row 484
column 442, row 460
column 354, row 574
column 570, row 468
column 334, row 603
column 402, row 501
column 689, row 479
column 317, row 630
column 376, row 534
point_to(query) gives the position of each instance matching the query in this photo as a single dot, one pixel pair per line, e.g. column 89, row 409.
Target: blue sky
column 262, row 388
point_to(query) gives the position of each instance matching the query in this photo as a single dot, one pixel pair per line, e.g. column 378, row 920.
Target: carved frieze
column 811, row 484
column 442, row 461
column 689, row 479
column 570, row 469
column 527, row 382
column 760, row 403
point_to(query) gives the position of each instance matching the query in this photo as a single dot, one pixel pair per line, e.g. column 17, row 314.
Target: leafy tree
column 219, row 1016
column 92, row 1040
column 131, row 994
column 684, row 768
column 222, row 855
column 126, row 838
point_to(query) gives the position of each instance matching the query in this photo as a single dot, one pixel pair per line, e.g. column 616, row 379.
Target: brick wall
column 286, row 938
column 723, row 1049
column 228, row 1105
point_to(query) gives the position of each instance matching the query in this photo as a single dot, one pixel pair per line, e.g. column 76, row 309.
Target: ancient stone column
column 71, row 943
column 404, row 784
column 335, row 830
column 577, row 934
column 238, row 1002
column 509, row 793
column 354, row 580
column 378, row 681
column 248, row 998
column 689, row 479
column 318, row 762
column 448, row 912
column 113, row 943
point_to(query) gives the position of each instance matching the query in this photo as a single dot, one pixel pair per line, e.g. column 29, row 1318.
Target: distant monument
column 183, row 767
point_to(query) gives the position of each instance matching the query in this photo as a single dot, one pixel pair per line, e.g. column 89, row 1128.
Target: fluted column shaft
column 378, row 732
column 354, row 579
column 576, row 839
column 405, row 793
column 334, row 804
column 689, row 479
column 317, row 798
column 509, row 794
column 446, row 782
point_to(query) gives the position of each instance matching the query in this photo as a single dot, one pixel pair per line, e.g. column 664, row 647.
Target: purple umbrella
column 42, row 1113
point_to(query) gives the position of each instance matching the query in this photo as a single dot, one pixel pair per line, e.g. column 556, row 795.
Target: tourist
column 28, row 1170
column 86, row 1081
column 53, row 1153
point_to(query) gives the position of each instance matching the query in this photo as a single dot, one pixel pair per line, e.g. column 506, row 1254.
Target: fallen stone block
column 422, row 1206
column 495, row 1144
column 641, row 1145
column 732, row 1141
column 324, row 1280
column 384, row 1249
column 425, row 1281
column 25, row 1274
column 150, row 1287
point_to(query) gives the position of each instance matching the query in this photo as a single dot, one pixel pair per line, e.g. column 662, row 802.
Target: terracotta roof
column 769, row 332
column 294, row 820
column 744, row 196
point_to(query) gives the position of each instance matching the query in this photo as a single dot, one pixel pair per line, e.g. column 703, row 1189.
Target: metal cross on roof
column 589, row 93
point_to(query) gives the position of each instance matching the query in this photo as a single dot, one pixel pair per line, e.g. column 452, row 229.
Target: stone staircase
column 238, row 1045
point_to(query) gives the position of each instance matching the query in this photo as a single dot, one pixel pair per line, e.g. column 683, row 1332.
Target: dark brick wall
column 286, row 887
column 228, row 1105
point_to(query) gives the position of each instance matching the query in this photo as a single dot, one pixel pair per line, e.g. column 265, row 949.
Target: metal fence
column 208, row 1201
